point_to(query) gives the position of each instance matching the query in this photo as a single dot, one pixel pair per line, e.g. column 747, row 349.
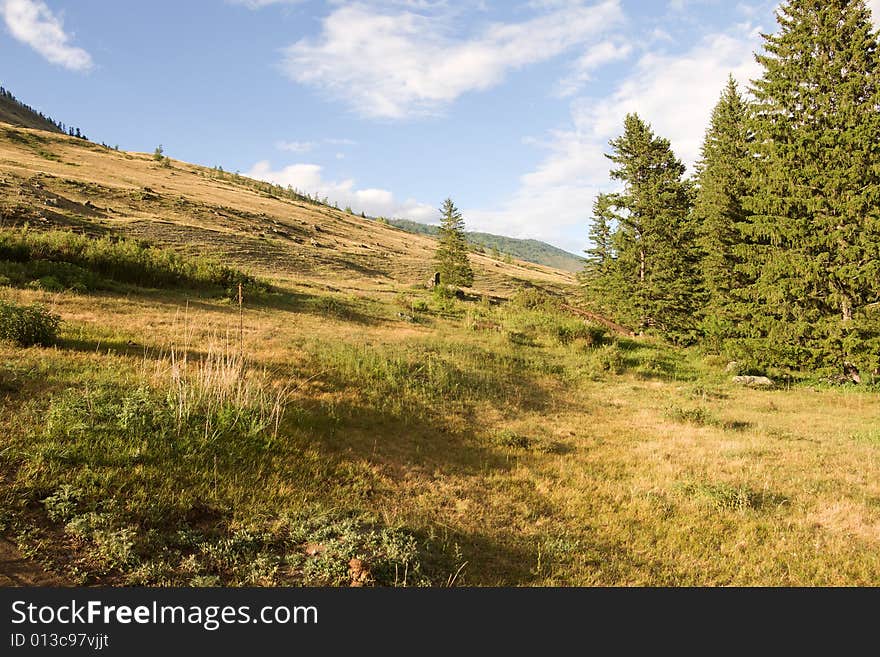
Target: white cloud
column 675, row 93
column 389, row 64
column 295, row 146
column 309, row 178
column 308, row 146
column 592, row 59
column 340, row 142
column 33, row 23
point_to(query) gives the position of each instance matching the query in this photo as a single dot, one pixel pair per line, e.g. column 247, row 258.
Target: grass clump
column 512, row 440
column 729, row 497
column 27, row 326
column 696, row 415
column 567, row 331
column 64, row 260
column 607, row 359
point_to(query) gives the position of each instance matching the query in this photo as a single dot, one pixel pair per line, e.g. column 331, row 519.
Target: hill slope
column 525, row 249
column 52, row 180
column 18, row 114
column 345, row 425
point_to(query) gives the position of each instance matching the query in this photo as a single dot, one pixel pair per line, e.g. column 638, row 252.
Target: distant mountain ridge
column 534, row 251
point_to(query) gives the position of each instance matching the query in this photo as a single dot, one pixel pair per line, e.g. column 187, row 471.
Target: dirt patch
column 16, row 570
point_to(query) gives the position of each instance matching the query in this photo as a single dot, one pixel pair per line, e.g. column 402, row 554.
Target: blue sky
column 390, row 106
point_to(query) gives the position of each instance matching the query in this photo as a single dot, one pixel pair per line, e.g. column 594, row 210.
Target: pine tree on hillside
column 452, row 251
column 722, row 183
column 815, row 229
column 655, row 282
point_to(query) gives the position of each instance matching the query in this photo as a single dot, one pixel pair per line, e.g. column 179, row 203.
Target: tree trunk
column 642, row 269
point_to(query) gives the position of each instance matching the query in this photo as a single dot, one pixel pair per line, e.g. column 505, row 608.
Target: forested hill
column 534, row 251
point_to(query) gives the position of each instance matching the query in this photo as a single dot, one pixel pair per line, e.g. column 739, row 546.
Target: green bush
column 534, row 299
column 27, row 326
column 513, row 440
column 698, row 415
column 567, row 331
column 608, row 359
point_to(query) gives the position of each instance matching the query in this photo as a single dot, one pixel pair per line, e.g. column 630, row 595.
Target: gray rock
column 733, row 367
column 753, row 381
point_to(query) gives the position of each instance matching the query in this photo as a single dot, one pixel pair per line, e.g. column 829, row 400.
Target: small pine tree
column 158, row 153
column 452, row 251
column 602, row 284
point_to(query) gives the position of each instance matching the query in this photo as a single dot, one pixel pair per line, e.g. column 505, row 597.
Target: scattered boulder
column 754, row 381
column 733, row 367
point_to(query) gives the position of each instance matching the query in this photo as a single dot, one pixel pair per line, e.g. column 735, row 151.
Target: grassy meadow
column 345, row 425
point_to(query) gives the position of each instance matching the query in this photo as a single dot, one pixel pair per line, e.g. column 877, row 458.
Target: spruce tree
column 452, row 251
column 815, row 225
column 602, row 286
column 722, row 184
column 654, row 282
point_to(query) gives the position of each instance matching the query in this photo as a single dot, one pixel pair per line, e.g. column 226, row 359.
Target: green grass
column 355, row 447
column 57, row 260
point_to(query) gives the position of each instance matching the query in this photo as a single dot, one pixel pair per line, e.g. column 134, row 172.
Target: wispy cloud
column 308, row 146
column 675, row 93
column 594, row 58
column 309, row 178
column 295, row 146
column 33, row 23
column 394, row 64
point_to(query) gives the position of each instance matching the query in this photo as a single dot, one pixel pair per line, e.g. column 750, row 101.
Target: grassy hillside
column 346, row 425
column 529, row 250
column 16, row 113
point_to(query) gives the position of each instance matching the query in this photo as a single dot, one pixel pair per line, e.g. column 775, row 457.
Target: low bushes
column 62, row 260
column 27, row 326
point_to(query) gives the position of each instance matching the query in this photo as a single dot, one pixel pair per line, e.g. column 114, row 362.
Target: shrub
column 698, row 415
column 567, row 331
column 27, row 326
column 520, row 338
column 608, row 359
column 534, row 299
column 513, row 440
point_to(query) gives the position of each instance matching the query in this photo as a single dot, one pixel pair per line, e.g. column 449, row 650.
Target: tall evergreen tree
column 722, row 184
column 654, row 280
column 452, row 251
column 815, row 225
